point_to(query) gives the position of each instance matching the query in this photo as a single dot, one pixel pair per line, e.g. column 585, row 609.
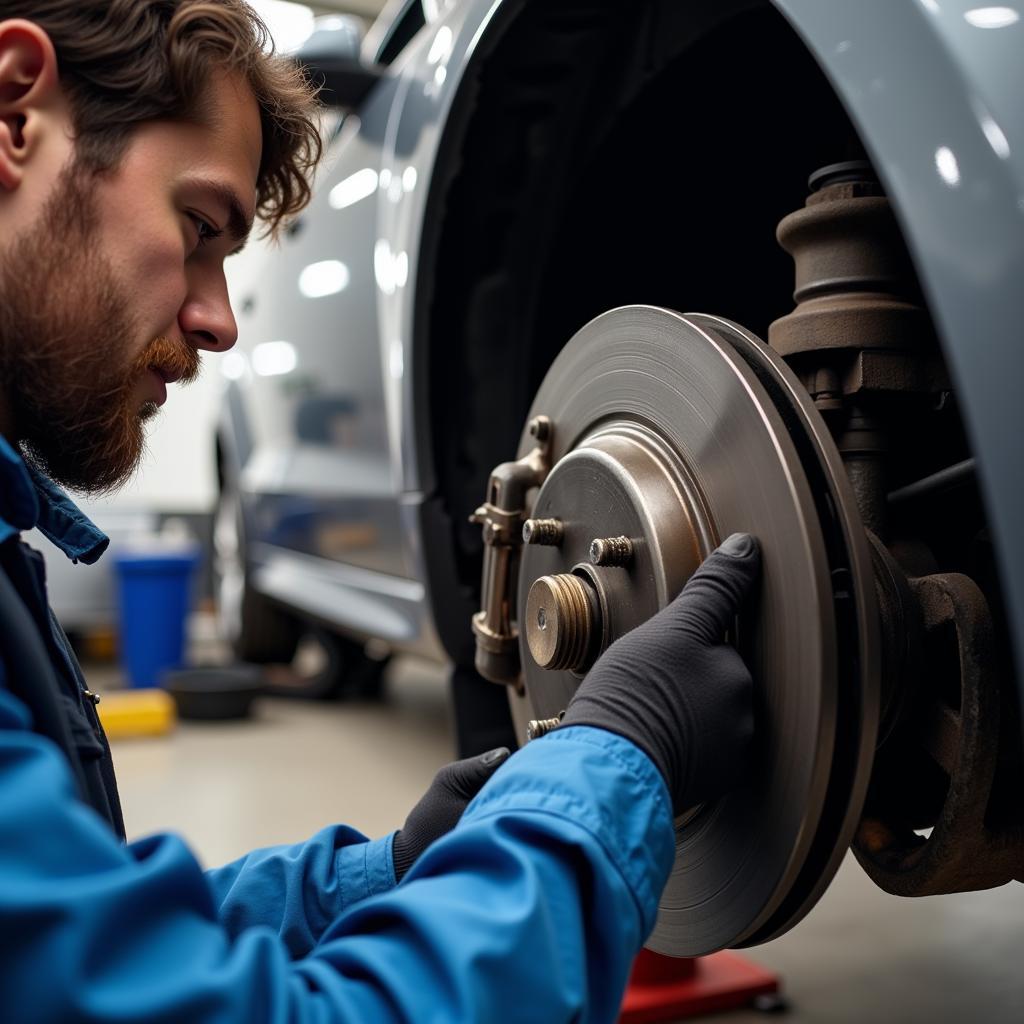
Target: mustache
column 177, row 359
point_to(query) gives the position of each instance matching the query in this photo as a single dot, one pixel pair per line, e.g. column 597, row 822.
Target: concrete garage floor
column 861, row 955
column 292, row 768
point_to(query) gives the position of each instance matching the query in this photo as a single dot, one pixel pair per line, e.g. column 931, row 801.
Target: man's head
column 138, row 141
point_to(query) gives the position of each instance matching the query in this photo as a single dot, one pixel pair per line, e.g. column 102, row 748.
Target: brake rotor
column 669, row 433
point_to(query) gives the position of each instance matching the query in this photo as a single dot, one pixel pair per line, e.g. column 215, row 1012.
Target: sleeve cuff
column 366, row 869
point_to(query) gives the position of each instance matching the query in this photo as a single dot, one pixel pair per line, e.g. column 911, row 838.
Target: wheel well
column 598, row 157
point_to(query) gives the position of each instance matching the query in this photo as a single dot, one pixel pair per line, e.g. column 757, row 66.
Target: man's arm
column 299, row 890
column 531, row 909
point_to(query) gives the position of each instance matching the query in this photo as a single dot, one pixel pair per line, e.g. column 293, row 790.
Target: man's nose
column 206, row 319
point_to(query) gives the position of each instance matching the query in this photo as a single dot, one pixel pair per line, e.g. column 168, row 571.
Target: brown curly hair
column 125, row 62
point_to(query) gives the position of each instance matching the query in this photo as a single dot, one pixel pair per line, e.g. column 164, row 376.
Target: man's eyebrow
column 239, row 223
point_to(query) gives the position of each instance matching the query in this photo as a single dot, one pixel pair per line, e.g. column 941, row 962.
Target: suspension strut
column 862, row 343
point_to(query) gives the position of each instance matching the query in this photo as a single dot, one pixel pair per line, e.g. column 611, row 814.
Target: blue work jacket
column 531, row 909
column 36, row 658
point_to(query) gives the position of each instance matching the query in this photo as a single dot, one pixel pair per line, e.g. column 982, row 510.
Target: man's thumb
column 712, row 597
column 470, row 774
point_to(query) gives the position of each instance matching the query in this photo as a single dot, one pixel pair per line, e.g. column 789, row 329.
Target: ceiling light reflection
column 233, row 365
column 328, row 277
column 402, row 269
column 272, row 358
column 384, row 267
column 396, row 360
column 991, row 17
column 996, row 137
column 391, row 269
column 947, row 166
column 441, row 47
column 353, row 188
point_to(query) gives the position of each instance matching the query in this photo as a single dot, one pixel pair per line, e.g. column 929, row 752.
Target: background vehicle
column 508, row 172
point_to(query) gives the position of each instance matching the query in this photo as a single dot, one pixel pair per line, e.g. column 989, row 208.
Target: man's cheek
column 159, row 286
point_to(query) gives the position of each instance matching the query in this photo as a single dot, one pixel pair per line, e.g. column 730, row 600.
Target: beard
column 68, row 349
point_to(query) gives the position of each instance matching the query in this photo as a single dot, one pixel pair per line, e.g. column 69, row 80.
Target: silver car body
column 325, row 417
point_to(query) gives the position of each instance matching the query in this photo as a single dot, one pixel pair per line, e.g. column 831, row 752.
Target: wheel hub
column 629, row 535
column 668, row 433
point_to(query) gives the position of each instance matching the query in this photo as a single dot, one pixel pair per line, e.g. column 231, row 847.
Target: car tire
column 341, row 669
column 261, row 632
column 257, row 630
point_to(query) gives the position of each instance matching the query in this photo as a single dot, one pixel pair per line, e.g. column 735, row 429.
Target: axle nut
column 561, row 621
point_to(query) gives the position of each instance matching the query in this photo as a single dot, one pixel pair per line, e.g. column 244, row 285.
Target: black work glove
column 675, row 689
column 442, row 806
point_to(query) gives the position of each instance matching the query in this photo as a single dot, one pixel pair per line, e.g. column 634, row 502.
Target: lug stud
column 611, row 551
column 538, row 727
column 540, row 428
column 548, row 532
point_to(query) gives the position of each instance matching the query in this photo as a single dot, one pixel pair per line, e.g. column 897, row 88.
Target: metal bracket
column 502, row 517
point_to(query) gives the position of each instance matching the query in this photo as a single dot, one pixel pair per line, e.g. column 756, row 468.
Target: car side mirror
column 331, row 57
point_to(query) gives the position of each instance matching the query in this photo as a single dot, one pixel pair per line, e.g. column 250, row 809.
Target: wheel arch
column 937, row 100
column 504, row 281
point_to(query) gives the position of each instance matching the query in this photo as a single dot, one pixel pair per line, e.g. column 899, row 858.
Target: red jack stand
column 665, row 988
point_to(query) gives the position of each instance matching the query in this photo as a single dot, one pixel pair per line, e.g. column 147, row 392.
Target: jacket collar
column 28, row 499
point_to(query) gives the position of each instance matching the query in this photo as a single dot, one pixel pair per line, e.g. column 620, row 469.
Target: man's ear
column 29, row 81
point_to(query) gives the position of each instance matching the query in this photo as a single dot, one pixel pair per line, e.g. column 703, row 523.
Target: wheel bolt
column 538, row 727
column 548, row 532
column 540, row 428
column 611, row 551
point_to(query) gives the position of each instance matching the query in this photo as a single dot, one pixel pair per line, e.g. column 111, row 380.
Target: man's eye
column 205, row 231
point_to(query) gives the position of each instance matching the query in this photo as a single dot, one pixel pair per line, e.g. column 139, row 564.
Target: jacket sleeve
column 299, row 890
column 531, row 909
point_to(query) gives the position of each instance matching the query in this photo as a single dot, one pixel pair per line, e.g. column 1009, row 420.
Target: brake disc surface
column 672, row 432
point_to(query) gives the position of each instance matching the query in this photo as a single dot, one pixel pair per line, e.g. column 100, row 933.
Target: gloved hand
column 675, row 689
column 442, row 805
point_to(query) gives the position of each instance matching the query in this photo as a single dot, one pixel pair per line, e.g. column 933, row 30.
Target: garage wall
column 178, row 473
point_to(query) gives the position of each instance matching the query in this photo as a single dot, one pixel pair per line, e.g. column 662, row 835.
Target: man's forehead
column 235, row 138
column 235, row 119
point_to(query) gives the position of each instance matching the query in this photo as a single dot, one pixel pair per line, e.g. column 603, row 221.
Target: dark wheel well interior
column 599, row 155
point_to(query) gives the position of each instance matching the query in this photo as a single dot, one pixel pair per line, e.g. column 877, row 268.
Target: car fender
column 935, row 89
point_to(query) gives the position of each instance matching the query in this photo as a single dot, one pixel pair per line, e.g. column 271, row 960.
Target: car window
column 401, row 31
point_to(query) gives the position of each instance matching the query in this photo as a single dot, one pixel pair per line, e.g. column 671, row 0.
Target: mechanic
column 139, row 140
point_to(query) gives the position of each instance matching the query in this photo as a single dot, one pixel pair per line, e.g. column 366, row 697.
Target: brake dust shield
column 670, row 432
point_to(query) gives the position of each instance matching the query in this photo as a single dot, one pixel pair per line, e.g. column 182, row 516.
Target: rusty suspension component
column 931, row 825
column 860, row 337
column 861, row 342
column 502, row 518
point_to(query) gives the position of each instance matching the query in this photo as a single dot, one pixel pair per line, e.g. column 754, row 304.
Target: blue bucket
column 155, row 591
